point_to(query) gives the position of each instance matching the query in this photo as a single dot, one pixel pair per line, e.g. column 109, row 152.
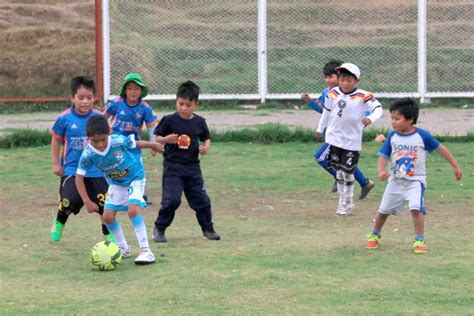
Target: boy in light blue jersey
column 126, row 177
column 130, row 113
column 321, row 155
column 405, row 148
column 69, row 132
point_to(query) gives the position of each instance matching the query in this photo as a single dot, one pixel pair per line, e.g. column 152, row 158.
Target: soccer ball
column 106, row 255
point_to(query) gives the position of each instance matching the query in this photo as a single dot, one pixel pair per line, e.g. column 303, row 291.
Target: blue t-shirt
column 182, row 158
column 407, row 154
column 70, row 129
column 117, row 161
column 129, row 120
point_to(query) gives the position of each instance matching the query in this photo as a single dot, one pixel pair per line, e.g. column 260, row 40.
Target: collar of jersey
column 348, row 93
column 404, row 135
column 102, row 153
column 74, row 112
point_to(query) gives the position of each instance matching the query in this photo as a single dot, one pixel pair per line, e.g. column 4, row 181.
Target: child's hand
column 318, row 136
column 457, row 173
column 172, row 138
column 91, row 207
column 157, row 148
column 383, row 175
column 366, row 121
column 305, row 97
column 203, row 150
column 58, row 170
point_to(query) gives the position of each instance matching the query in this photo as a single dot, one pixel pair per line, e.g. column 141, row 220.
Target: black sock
column 105, row 230
column 62, row 217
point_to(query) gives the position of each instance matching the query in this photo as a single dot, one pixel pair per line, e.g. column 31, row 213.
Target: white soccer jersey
column 343, row 114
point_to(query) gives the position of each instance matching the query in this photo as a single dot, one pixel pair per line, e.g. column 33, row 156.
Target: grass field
column 283, row 251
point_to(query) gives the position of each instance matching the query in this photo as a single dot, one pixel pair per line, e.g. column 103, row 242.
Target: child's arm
column 323, row 122
column 81, row 188
column 168, row 139
column 381, row 168
column 147, row 144
column 55, row 150
column 446, row 154
column 204, row 148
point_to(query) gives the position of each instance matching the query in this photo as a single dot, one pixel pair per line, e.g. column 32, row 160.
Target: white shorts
column 400, row 190
column 118, row 197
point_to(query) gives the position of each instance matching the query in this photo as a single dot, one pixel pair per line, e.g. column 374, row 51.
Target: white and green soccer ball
column 106, row 255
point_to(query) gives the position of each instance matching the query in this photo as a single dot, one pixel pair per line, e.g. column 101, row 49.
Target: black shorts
column 69, row 199
column 343, row 159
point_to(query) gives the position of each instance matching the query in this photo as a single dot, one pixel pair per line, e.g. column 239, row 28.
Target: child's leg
column 418, row 224
column 360, row 178
column 322, row 158
column 172, row 189
column 134, row 213
column 115, row 228
column 69, row 202
column 199, row 201
column 97, row 191
column 380, row 220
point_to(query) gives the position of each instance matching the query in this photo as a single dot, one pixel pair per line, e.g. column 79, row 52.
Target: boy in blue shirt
column 405, row 148
column 69, row 132
column 181, row 133
column 322, row 154
column 130, row 113
column 126, row 177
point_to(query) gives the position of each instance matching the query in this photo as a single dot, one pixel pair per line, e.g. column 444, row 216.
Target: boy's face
column 347, row 83
column 186, row 107
column 83, row 100
column 133, row 93
column 400, row 123
column 331, row 80
column 99, row 141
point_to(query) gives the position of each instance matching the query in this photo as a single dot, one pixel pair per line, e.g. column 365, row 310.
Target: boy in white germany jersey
column 113, row 155
column 344, row 118
column 405, row 148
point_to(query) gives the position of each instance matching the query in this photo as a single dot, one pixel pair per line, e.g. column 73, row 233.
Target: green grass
column 283, row 251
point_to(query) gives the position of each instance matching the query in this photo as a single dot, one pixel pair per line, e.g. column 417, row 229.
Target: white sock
column 140, row 231
column 116, row 229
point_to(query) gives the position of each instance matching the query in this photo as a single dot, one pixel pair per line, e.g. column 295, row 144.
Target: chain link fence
column 216, row 44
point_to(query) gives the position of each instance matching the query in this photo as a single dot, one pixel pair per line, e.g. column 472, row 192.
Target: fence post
column 262, row 49
column 106, row 49
column 422, row 50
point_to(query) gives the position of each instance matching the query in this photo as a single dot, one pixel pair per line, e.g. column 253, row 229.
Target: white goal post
column 264, row 49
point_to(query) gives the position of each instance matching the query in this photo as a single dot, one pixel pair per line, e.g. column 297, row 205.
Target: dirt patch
column 438, row 121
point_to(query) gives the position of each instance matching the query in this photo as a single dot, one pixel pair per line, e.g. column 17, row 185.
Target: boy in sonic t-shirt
column 182, row 133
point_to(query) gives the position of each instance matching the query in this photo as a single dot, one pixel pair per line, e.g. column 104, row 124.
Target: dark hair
column 188, row 90
column 407, row 107
column 83, row 81
column 330, row 67
column 345, row 73
column 97, row 125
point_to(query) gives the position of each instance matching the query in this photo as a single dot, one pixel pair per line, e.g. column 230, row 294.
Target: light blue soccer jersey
column 70, row 129
column 318, row 104
column 407, row 154
column 127, row 120
column 118, row 163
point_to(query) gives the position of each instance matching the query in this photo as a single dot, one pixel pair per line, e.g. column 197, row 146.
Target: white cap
column 353, row 69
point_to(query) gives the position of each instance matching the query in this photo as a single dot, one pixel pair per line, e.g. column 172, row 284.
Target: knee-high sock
column 340, row 185
column 116, row 230
column 140, row 231
column 348, row 189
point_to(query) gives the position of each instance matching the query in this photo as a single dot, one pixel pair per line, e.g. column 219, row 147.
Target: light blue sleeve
column 84, row 163
column 431, row 143
column 386, row 149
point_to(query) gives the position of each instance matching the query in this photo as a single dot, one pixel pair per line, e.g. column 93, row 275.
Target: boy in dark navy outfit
column 185, row 136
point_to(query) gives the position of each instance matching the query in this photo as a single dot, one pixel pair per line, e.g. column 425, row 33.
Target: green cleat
column 56, row 230
column 110, row 237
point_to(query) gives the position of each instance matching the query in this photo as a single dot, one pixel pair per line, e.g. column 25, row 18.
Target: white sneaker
column 145, row 257
column 343, row 211
column 126, row 252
